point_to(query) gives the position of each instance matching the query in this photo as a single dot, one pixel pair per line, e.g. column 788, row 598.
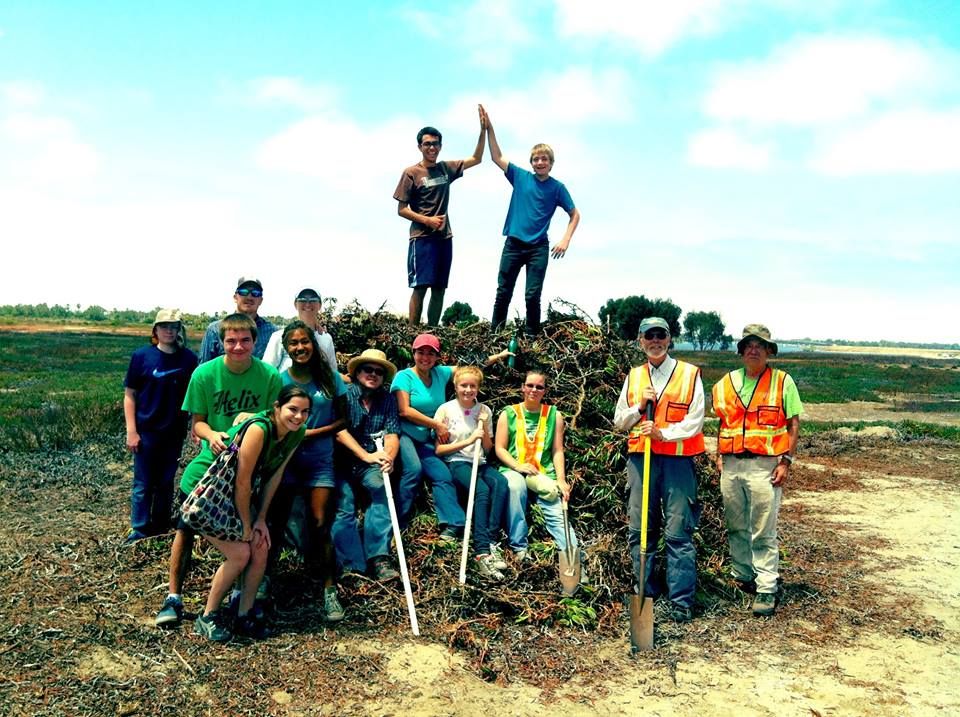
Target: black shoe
column 746, row 586
column 679, row 613
column 251, row 626
column 381, row 569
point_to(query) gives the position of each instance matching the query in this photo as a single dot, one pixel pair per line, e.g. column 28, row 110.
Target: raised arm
column 495, row 154
column 477, row 155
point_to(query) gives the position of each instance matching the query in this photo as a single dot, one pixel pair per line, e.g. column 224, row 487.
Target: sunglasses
column 373, row 370
column 255, row 293
column 655, row 334
column 535, row 386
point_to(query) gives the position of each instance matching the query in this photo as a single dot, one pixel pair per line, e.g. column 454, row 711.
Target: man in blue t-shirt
column 536, row 196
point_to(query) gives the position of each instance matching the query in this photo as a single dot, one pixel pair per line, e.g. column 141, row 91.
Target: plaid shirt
column 382, row 415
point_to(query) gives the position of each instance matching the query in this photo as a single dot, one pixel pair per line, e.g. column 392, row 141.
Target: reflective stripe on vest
column 530, row 450
column 759, row 427
column 672, row 407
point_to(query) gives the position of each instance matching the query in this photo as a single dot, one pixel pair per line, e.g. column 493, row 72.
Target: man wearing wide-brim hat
column 371, row 410
column 759, row 410
column 676, row 436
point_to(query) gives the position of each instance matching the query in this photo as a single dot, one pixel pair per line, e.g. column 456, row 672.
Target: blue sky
column 776, row 163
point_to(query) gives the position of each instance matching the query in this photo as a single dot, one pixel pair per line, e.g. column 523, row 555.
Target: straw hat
column 374, row 356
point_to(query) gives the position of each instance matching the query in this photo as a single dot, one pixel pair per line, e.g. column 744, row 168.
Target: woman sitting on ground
column 529, row 445
column 265, row 449
column 461, row 417
column 420, row 391
column 311, row 469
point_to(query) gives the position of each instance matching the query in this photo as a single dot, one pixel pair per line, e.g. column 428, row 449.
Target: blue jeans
column 377, row 529
column 552, row 510
column 417, row 459
column 673, row 509
column 151, row 498
column 489, row 502
column 517, row 254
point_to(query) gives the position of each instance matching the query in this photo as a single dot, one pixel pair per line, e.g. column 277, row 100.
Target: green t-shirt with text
column 219, row 394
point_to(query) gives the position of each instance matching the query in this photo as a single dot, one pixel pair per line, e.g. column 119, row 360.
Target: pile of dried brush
column 585, row 366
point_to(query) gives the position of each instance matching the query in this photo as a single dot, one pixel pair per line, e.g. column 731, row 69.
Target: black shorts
column 428, row 261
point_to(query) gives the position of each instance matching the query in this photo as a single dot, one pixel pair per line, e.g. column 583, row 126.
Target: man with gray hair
column 676, row 436
column 759, row 410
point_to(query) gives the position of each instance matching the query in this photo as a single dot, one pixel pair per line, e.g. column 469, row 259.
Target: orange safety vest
column 759, row 427
column 531, row 450
column 672, row 407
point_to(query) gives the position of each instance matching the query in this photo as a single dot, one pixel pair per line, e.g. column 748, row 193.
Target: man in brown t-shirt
column 423, row 195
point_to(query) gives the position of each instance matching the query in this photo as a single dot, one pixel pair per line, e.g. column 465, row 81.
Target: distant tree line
column 94, row 313
column 704, row 329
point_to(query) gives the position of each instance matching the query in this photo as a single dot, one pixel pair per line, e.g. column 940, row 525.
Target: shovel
column 569, row 559
column 641, row 606
column 470, row 495
column 407, row 591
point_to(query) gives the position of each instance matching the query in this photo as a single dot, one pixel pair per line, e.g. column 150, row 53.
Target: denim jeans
column 151, row 498
column 417, row 459
column 517, row 520
column 517, row 254
column 673, row 509
column 489, row 502
column 377, row 529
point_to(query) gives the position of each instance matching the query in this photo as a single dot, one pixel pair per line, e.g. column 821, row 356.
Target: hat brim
column 771, row 345
column 389, row 369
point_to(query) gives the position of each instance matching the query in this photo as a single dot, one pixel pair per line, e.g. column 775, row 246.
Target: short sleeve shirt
column 322, row 413
column 160, row 381
column 364, row 423
column 427, row 191
column 219, row 394
column 276, row 354
column 532, row 204
column 426, row 399
column 211, row 347
column 461, row 422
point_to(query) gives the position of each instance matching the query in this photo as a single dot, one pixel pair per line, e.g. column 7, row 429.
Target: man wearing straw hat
column 371, row 411
column 676, row 436
column 759, row 409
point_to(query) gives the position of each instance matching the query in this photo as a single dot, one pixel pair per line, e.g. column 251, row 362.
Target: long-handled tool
column 641, row 606
column 569, row 559
column 408, row 591
column 478, row 449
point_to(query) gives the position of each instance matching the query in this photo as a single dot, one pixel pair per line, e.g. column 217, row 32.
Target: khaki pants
column 750, row 506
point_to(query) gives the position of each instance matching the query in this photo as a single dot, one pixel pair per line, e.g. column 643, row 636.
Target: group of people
column 423, row 197
column 287, row 411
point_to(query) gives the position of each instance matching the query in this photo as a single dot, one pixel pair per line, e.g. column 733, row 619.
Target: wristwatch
column 788, row 458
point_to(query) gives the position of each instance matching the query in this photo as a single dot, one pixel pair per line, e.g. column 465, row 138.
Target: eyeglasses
column 308, row 301
column 431, row 143
column 255, row 293
column 654, row 334
column 535, row 386
column 373, row 370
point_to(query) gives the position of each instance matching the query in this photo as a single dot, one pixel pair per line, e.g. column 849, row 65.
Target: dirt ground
column 892, row 508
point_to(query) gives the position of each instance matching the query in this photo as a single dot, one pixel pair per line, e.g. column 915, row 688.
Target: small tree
column 704, row 329
column 624, row 315
column 459, row 312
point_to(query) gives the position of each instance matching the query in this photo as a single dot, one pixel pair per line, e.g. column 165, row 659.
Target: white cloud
column 910, row 141
column 819, row 80
column 21, row 94
column 293, row 91
column 47, row 148
column 725, row 149
column 651, row 25
column 487, row 31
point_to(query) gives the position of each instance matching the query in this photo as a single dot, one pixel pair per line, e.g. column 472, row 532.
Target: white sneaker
column 486, row 569
column 521, row 556
column 496, row 557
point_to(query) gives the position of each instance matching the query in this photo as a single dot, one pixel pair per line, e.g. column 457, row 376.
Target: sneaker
column 521, row 556
column 496, row 557
column 486, row 569
column 211, row 627
column 251, row 626
column 764, row 604
column 171, row 613
column 381, row 569
column 449, row 535
column 331, row 605
column 679, row 613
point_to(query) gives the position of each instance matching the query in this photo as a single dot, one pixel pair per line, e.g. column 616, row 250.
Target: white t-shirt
column 276, row 355
column 461, row 423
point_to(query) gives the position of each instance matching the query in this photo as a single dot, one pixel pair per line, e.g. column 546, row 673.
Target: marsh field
column 868, row 624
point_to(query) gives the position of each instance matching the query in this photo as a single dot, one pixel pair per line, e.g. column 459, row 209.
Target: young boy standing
column 422, row 195
column 536, row 196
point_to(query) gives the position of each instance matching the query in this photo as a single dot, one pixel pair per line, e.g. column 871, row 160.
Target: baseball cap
column 427, row 340
column 307, row 295
column 245, row 280
column 167, row 316
column 653, row 322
